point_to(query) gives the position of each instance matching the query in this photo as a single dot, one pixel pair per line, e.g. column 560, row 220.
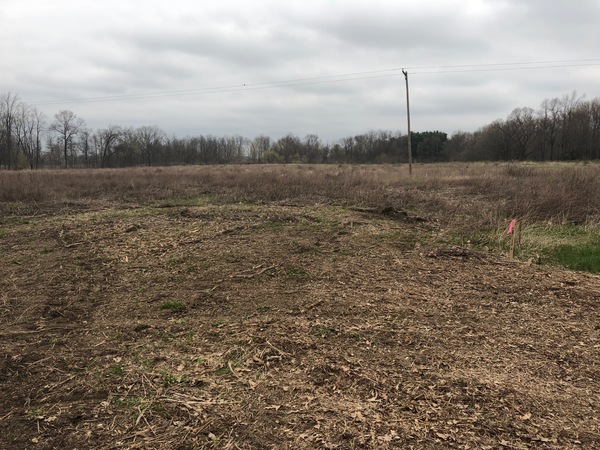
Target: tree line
column 565, row 128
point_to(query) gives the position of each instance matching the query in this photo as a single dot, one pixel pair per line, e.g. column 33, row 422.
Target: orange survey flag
column 511, row 226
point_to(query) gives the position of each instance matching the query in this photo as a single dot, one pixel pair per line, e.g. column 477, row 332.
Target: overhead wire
column 234, row 87
column 499, row 69
column 338, row 78
column 518, row 63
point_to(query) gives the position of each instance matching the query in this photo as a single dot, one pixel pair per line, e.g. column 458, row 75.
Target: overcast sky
column 271, row 67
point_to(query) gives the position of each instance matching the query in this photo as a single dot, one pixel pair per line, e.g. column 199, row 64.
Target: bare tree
column 259, row 147
column 312, row 144
column 129, row 148
column 234, row 149
column 8, row 110
column 151, row 139
column 595, row 126
column 548, row 119
column 498, row 133
column 66, row 125
column 290, row 148
column 106, row 141
column 567, row 107
column 29, row 125
column 53, row 149
column 85, row 144
column 523, row 129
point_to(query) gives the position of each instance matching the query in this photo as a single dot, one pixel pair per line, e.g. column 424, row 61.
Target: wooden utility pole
column 408, row 119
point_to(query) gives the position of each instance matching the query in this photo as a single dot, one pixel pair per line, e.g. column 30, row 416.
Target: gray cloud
column 82, row 49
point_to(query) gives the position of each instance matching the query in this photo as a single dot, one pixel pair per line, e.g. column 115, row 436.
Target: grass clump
column 172, row 305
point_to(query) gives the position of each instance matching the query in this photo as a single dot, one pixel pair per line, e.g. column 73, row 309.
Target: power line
column 215, row 90
column 519, row 63
column 234, row 88
column 499, row 69
column 326, row 79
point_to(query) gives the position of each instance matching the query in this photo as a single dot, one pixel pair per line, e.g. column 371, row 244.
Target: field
column 300, row 307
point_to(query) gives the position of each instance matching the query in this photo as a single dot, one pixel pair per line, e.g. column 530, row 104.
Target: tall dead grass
column 558, row 193
column 482, row 194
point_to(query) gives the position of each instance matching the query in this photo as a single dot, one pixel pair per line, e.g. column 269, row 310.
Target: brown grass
column 481, row 194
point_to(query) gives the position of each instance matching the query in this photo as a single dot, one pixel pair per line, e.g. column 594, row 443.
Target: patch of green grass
column 53, row 341
column 562, row 233
column 168, row 379
column 172, row 305
column 117, row 369
column 35, row 413
column 583, row 257
column 571, row 246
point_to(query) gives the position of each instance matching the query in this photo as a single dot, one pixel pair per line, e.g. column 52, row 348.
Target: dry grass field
column 300, row 307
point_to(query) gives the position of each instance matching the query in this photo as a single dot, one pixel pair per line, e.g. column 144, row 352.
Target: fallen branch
column 252, row 275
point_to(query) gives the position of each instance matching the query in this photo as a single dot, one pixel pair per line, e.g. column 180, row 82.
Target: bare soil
column 281, row 326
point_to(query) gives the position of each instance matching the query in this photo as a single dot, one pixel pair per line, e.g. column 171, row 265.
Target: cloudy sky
column 330, row 67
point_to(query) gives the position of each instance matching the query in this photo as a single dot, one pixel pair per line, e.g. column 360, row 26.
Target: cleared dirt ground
column 281, row 326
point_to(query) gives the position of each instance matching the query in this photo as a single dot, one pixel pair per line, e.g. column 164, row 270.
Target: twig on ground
column 278, row 350
column 252, row 275
column 75, row 244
